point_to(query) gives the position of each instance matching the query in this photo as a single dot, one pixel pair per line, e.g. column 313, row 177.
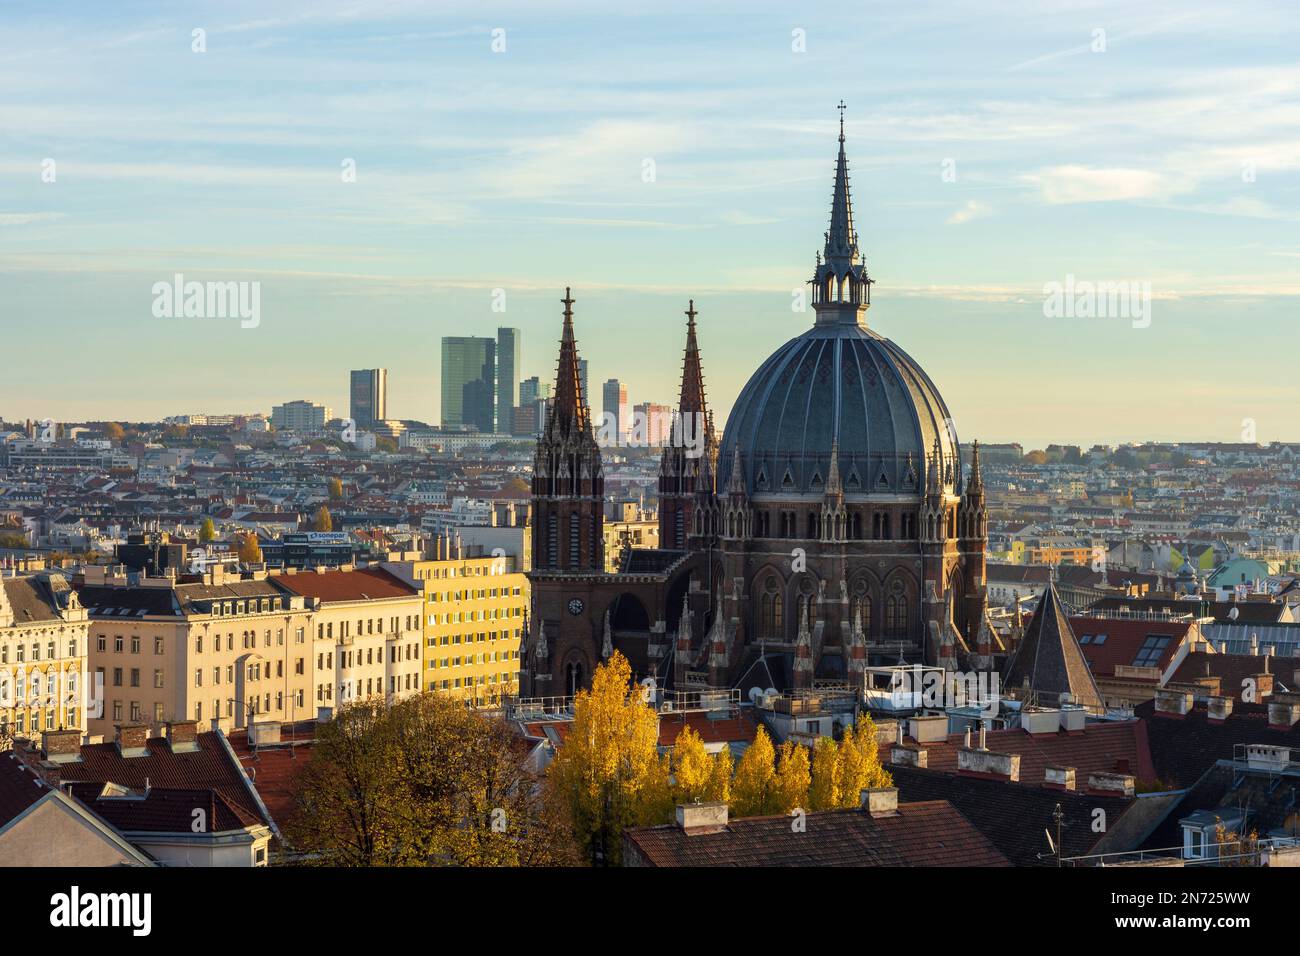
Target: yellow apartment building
column 473, row 624
column 43, row 639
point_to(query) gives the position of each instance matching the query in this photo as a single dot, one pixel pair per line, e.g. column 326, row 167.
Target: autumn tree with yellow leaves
column 793, row 778
column 753, row 787
column 608, row 775
column 697, row 776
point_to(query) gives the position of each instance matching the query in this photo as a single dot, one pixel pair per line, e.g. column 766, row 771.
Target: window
column 1150, row 652
column 135, row 644
column 101, row 644
column 117, row 644
column 135, row 677
column 198, row 677
column 157, row 645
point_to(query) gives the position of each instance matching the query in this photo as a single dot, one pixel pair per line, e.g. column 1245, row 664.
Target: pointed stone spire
column 841, row 240
column 540, row 650
column 692, row 394
column 841, row 286
column 976, row 478
column 1049, row 660
column 803, row 662
column 736, row 481
column 569, row 410
column 607, row 646
column 857, row 661
column 834, row 486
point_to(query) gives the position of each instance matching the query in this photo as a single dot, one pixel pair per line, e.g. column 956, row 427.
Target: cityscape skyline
column 699, row 177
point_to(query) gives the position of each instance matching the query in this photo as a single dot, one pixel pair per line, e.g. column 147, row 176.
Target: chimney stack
column 132, row 740
column 695, row 818
column 1173, row 703
column 61, row 746
column 1060, row 778
column 880, row 801
column 183, row 736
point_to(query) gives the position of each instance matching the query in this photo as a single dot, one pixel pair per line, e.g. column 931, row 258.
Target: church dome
column 842, row 385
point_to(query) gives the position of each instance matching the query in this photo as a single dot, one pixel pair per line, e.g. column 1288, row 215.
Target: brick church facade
column 830, row 526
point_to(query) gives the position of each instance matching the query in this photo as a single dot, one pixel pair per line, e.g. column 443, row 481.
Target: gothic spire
column 841, row 240
column 976, row 479
column 834, row 486
column 692, row 394
column 841, row 286
column 569, row 411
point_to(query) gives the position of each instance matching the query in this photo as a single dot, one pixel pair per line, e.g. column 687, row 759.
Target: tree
column 692, row 768
column 322, row 520
column 792, row 777
column 516, row 487
column 608, row 775
column 860, row 767
column 824, row 793
column 250, row 549
column 336, row 489
column 114, row 432
column 423, row 782
column 207, row 531
column 753, row 788
column 720, row 776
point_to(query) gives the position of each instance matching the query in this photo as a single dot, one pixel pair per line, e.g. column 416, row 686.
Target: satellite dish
column 1232, row 615
column 770, row 692
column 755, row 694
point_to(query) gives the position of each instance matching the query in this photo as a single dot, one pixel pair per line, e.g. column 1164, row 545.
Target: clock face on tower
column 576, row 606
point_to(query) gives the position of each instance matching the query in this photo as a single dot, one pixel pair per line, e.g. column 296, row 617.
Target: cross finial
column 690, row 312
column 841, row 107
column 568, row 301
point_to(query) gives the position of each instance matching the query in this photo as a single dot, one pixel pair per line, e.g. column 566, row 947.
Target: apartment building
column 473, row 620
column 43, row 640
column 221, row 651
column 365, row 628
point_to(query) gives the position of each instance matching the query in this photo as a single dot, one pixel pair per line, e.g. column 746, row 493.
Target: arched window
column 771, row 617
column 896, row 615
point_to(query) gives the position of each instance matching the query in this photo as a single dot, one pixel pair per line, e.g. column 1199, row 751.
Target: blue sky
column 1170, row 157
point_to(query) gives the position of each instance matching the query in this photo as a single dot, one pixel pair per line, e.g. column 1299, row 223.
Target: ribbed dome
column 845, row 382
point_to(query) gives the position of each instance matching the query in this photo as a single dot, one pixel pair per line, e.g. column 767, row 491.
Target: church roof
column 1050, row 659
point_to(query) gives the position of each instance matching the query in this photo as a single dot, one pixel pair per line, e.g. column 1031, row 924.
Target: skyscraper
column 508, row 341
column 468, row 382
column 369, row 395
column 615, row 404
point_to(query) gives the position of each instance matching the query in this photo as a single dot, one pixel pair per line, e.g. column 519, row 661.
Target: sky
column 393, row 172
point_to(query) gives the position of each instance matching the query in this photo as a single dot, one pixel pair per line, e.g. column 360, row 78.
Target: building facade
column 368, row 395
column 43, row 675
column 469, row 382
column 830, row 525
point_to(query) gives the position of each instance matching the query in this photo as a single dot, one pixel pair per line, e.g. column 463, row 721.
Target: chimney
column 696, row 818
column 984, row 736
column 880, row 801
column 1111, row 784
column 1263, row 683
column 1059, row 778
column 1284, row 710
column 1173, row 703
column 929, row 729
column 1220, row 708
column 905, row 756
column 132, row 740
column 986, row 763
column 183, row 736
column 61, row 746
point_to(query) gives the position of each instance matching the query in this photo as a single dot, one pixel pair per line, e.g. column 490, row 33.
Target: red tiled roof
column 1110, row 747
column 166, row 810
column 19, row 787
column 1124, row 638
column 357, row 585
column 739, row 729
column 208, row 768
column 1231, row 669
column 274, row 769
column 929, row 833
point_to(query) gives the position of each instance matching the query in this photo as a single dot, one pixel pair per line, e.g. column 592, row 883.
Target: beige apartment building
column 217, row 651
column 473, row 623
column 366, row 632
column 43, row 639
